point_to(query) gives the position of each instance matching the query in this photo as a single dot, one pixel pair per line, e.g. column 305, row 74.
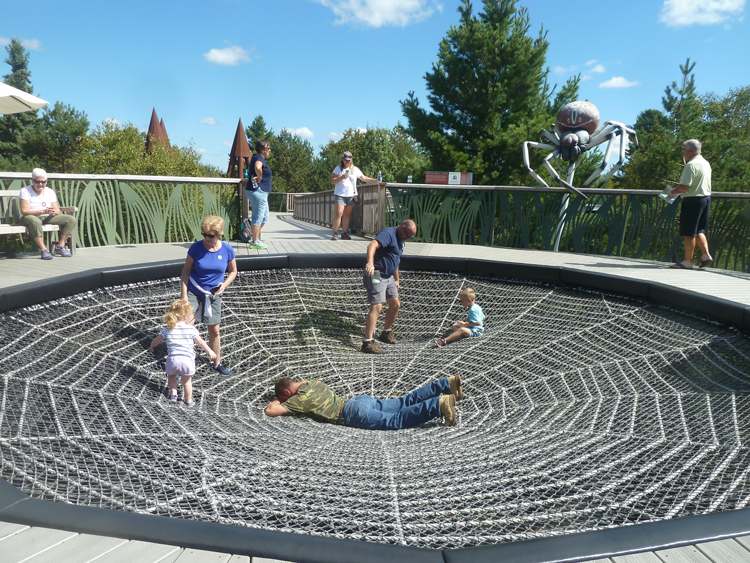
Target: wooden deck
column 285, row 235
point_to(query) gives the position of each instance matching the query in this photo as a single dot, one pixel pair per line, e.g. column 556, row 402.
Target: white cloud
column 361, row 130
column 597, row 68
column 228, row 56
column 30, row 44
column 302, row 132
column 678, row 13
column 202, row 151
column 209, row 121
column 563, row 69
column 113, row 121
column 227, row 143
column 334, row 136
column 378, row 13
column 618, row 82
column 592, row 61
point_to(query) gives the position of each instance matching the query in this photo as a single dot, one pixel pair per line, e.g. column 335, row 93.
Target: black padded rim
column 17, row 507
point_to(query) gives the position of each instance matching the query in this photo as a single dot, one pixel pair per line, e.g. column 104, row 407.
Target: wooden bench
column 11, row 218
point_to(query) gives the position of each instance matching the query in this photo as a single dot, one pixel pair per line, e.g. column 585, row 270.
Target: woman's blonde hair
column 177, row 312
column 467, row 293
column 213, row 225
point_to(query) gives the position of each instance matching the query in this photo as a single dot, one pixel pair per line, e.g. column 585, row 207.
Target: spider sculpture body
column 576, row 131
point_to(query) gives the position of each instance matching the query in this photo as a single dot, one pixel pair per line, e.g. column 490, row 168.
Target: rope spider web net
column 581, row 411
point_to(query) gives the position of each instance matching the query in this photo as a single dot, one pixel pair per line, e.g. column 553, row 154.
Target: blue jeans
column 415, row 408
column 259, row 201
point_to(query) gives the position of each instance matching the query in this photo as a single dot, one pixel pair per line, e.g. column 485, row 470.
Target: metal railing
column 630, row 223
column 121, row 209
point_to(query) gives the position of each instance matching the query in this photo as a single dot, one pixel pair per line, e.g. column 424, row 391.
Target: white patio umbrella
column 13, row 100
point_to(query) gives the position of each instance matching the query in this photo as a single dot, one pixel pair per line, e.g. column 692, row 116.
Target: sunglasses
column 39, row 181
column 207, row 235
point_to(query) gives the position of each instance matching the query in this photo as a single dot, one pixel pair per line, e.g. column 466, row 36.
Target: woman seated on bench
column 39, row 207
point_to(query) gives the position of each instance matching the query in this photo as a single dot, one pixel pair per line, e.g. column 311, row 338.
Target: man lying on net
column 314, row 399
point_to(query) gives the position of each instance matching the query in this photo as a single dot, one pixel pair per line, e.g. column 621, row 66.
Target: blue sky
column 319, row 67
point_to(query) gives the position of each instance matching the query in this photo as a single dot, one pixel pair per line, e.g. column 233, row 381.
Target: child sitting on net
column 181, row 337
column 474, row 323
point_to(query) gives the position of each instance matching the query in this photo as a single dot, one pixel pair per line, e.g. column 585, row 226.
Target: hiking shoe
column 369, row 347
column 387, row 337
column 62, row 251
column 346, row 236
column 258, row 245
column 334, row 237
column 222, row 370
column 456, row 389
column 441, row 342
column 46, row 255
column 448, row 409
column 190, row 403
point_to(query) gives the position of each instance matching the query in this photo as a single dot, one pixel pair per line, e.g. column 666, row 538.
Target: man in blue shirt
column 381, row 281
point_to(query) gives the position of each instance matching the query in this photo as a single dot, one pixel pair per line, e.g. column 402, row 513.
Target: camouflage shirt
column 316, row 400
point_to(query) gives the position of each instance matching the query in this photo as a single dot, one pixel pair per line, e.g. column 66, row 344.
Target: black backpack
column 245, row 234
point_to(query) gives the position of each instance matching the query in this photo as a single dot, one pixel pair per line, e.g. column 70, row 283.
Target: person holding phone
column 345, row 177
column 202, row 282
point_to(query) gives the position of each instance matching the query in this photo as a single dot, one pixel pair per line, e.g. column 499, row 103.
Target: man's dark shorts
column 694, row 215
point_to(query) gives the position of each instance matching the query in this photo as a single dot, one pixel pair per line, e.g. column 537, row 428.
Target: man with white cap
column 39, row 207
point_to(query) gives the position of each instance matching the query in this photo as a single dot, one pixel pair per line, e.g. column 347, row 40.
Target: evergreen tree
column 488, row 93
column 658, row 159
column 292, row 162
column 56, row 139
column 12, row 126
column 258, row 130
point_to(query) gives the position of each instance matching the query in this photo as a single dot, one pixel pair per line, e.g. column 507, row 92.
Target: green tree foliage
column 722, row 124
column 292, row 162
column 392, row 151
column 120, row 149
column 488, row 93
column 12, row 126
column 55, row 141
column 258, row 130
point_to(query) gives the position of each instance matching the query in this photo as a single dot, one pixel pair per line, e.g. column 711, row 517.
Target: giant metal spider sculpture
column 576, row 131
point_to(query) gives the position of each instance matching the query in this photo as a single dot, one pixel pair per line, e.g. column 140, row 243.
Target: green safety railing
column 115, row 210
column 629, row 223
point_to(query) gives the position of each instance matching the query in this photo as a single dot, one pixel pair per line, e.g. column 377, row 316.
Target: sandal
column 706, row 263
column 680, row 266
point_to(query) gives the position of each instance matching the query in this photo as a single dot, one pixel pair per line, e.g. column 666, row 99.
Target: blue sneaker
column 46, row 255
column 222, row 370
column 258, row 245
column 62, row 251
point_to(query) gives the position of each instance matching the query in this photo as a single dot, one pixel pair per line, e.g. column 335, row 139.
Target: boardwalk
column 284, row 235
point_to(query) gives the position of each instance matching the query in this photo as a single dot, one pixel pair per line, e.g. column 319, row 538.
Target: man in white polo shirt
column 695, row 187
column 39, row 207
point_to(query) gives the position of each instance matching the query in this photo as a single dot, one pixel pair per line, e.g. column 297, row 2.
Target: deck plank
column 687, row 554
column 726, row 551
column 201, row 556
column 30, row 542
column 81, row 547
column 7, row 529
column 142, row 552
column 646, row 557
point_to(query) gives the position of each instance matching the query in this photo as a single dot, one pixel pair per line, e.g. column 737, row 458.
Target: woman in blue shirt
column 259, row 195
column 202, row 282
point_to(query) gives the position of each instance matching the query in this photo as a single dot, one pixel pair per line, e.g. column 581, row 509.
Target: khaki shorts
column 380, row 292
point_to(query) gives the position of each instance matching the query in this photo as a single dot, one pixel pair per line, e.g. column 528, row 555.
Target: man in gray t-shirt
column 695, row 187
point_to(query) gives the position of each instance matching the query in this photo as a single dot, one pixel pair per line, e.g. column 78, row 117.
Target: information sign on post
column 450, row 178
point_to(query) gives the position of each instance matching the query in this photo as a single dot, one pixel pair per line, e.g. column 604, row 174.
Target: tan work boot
column 448, row 409
column 456, row 389
column 369, row 347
